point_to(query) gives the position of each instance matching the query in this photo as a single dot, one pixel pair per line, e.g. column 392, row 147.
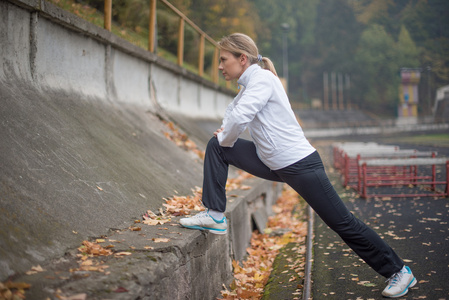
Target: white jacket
column 262, row 106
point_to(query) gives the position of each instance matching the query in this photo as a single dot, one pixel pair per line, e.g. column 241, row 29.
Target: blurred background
column 386, row 58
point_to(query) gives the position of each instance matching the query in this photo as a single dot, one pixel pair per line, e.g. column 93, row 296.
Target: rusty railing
column 180, row 51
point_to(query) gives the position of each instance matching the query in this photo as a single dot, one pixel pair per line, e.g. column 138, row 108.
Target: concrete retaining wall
column 53, row 49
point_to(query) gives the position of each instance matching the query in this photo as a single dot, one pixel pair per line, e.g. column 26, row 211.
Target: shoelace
column 200, row 214
column 395, row 278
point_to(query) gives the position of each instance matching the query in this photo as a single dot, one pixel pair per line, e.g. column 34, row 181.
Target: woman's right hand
column 218, row 131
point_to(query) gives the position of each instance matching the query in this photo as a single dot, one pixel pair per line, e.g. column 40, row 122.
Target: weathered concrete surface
column 71, row 165
column 192, row 265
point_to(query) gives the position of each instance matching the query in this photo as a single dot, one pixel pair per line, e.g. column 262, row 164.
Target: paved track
column 416, row 228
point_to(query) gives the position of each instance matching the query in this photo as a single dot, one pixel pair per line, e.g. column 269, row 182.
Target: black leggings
column 309, row 179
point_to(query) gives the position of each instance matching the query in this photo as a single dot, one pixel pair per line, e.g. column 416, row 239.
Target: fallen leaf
column 155, row 222
column 123, row 253
column 121, row 290
column 89, row 248
column 34, row 270
column 161, row 240
column 17, row 285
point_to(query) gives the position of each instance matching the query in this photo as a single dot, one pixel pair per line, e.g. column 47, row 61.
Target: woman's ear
column 243, row 59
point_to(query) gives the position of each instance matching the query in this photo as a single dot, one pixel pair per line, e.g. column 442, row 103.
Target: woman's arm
column 253, row 99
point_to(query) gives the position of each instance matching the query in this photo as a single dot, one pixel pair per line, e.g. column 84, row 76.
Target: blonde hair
column 239, row 43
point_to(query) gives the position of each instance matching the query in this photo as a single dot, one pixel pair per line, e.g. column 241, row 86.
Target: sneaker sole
column 211, row 230
column 405, row 291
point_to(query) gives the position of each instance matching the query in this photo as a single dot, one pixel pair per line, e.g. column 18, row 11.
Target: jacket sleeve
column 253, row 99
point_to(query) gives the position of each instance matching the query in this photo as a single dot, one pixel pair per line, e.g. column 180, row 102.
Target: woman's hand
column 218, row 131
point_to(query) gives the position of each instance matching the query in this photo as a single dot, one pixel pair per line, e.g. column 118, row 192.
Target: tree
column 406, row 50
column 218, row 18
column 377, row 77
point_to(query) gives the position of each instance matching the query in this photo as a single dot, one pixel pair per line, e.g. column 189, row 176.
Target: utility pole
column 285, row 29
column 429, row 100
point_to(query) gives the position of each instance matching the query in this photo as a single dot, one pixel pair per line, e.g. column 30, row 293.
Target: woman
column 280, row 152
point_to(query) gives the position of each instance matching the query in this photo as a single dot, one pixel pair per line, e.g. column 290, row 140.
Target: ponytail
column 267, row 64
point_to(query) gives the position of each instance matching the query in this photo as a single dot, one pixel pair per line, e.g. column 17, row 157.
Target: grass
column 435, row 140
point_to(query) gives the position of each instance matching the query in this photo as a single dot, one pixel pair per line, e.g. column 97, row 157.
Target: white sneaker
column 399, row 283
column 203, row 221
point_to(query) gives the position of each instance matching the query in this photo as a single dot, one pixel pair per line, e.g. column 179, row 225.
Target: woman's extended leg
column 309, row 179
column 216, row 164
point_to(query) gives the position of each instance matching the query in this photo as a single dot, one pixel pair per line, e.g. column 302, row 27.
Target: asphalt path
column 416, row 228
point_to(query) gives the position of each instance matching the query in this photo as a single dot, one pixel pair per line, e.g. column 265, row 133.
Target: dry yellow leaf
column 123, row 253
column 161, row 240
column 34, row 270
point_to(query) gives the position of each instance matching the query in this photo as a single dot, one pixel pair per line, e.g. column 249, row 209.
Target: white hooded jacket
column 262, row 106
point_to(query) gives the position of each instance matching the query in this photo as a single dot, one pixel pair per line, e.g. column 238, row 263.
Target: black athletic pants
column 309, row 179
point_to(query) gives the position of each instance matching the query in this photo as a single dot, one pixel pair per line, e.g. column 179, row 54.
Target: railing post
column 152, row 26
column 447, row 178
column 215, row 66
column 201, row 56
column 107, row 14
column 181, row 41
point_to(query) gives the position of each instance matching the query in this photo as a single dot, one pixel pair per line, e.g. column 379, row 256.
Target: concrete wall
column 53, row 49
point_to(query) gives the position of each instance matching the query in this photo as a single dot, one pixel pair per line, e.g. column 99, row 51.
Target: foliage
column 368, row 40
column 377, row 64
column 252, row 274
column 421, row 38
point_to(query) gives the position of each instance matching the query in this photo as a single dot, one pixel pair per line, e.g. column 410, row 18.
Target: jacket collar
column 243, row 80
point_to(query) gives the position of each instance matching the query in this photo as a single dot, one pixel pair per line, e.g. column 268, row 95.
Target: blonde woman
column 280, row 152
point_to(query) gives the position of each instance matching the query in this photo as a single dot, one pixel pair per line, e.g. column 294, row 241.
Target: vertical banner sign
column 408, row 93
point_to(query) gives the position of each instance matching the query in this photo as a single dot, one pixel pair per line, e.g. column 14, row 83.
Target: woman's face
column 232, row 67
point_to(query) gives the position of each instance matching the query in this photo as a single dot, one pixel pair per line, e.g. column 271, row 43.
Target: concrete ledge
column 192, row 265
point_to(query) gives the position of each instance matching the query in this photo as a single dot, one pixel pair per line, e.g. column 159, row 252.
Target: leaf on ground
column 81, row 296
column 251, row 275
column 14, row 285
column 155, row 222
column 120, row 290
column 181, row 139
column 34, row 270
column 123, row 253
column 161, row 240
column 89, row 248
column 90, row 265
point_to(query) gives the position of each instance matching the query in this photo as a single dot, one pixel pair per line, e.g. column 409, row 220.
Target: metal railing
column 181, row 27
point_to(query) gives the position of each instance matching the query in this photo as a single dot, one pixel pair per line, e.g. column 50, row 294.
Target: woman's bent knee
column 213, row 142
